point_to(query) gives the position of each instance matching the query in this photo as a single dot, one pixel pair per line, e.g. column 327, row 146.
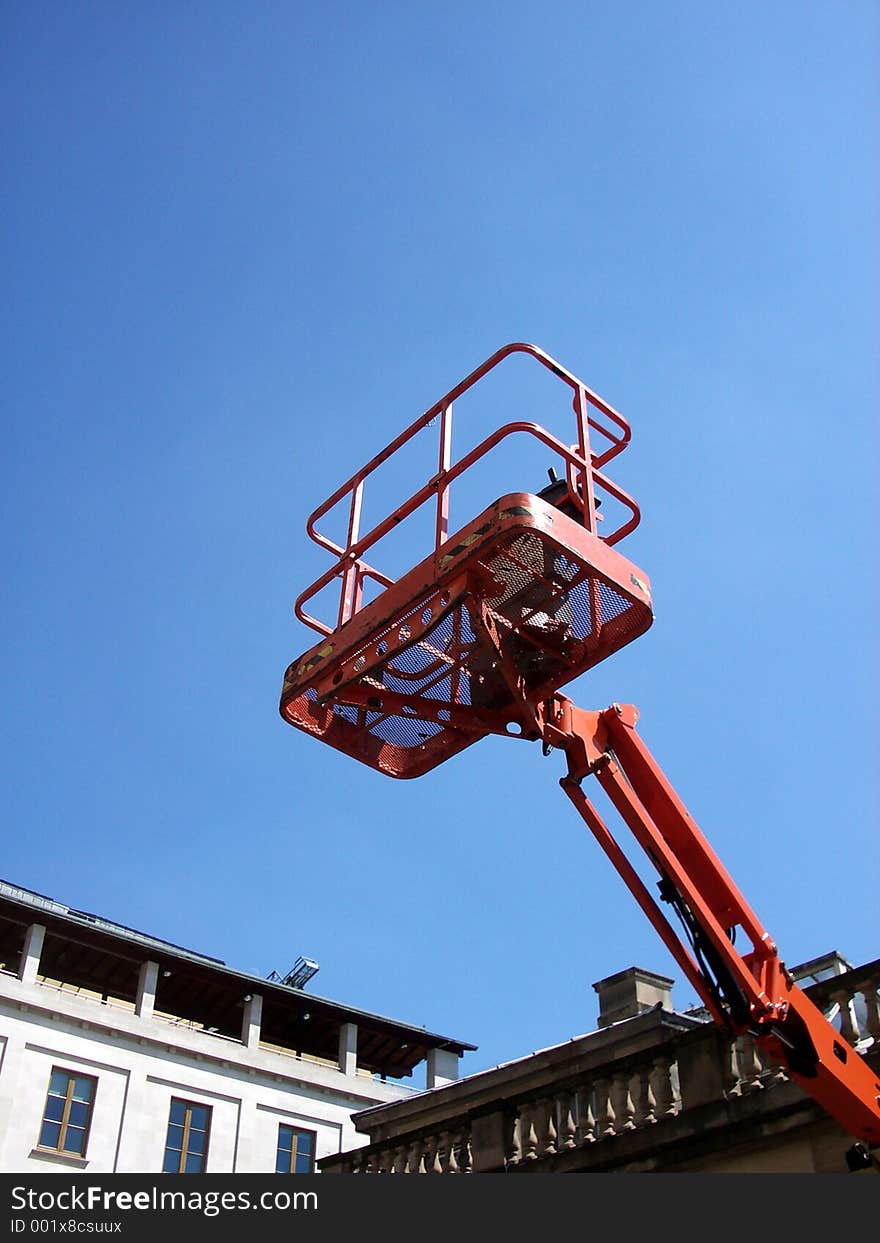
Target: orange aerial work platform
column 524, row 598
column 479, row 638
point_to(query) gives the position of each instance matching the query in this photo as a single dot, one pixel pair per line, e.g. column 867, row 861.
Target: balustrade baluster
column 585, row 1115
column 730, row 1076
column 645, row 1104
column 565, row 1107
column 530, row 1137
column 605, row 1116
column 664, row 1092
column 513, row 1151
column 441, row 1162
column 432, row 1155
column 849, row 1026
column 749, row 1066
column 451, row 1162
column 872, row 1020
column 623, row 1102
column 548, row 1117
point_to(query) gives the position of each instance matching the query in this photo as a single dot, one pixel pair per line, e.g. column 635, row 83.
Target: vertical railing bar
column 358, row 594
column 350, row 574
column 445, row 457
column 588, row 499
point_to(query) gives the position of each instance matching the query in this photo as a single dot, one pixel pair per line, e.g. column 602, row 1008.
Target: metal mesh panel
column 594, row 605
column 347, row 713
column 612, row 602
column 434, row 668
column 539, row 580
column 421, row 664
column 537, row 577
column 389, row 635
column 404, row 731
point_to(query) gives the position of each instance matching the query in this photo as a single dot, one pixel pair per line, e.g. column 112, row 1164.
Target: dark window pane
column 175, row 1137
column 55, row 1108
column 282, row 1163
column 303, row 1163
column 58, row 1082
column 198, row 1118
column 196, row 1141
column 193, row 1164
column 79, row 1113
column 178, row 1111
column 171, row 1162
column 83, row 1088
column 304, row 1142
column 49, row 1134
column 75, row 1140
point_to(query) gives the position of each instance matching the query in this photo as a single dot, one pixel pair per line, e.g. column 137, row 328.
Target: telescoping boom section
column 478, row 639
column 746, row 991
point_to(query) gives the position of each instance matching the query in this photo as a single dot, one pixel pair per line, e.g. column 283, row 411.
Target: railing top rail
column 854, row 980
column 515, row 347
column 580, row 463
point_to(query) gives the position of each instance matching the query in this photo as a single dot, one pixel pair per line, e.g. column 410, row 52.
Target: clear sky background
column 244, row 245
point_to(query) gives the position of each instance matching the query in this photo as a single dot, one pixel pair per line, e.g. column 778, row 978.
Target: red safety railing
column 582, row 474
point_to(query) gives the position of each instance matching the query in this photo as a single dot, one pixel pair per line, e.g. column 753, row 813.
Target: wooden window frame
column 188, row 1106
column 59, row 1149
column 296, row 1131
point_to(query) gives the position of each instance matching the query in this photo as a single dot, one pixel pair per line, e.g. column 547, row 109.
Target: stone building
column 122, row 1053
column 649, row 1090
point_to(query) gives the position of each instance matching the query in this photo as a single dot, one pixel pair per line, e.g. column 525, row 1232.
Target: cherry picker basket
column 521, row 600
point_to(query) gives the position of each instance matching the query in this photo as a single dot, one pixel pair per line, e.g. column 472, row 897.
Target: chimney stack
column 632, row 992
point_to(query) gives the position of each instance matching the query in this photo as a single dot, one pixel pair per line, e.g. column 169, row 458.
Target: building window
column 296, row 1151
column 186, row 1146
column 68, row 1112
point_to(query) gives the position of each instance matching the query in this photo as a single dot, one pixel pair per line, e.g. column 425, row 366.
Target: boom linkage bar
column 749, row 992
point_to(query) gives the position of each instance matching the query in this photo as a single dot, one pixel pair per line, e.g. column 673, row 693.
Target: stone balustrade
column 445, row 1152
column 659, row 1072
column 589, row 1110
column 851, row 1002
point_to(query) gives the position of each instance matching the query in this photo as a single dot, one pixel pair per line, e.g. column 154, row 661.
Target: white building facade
column 120, row 1053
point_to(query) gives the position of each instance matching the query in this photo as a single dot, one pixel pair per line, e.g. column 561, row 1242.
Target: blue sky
column 244, row 246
